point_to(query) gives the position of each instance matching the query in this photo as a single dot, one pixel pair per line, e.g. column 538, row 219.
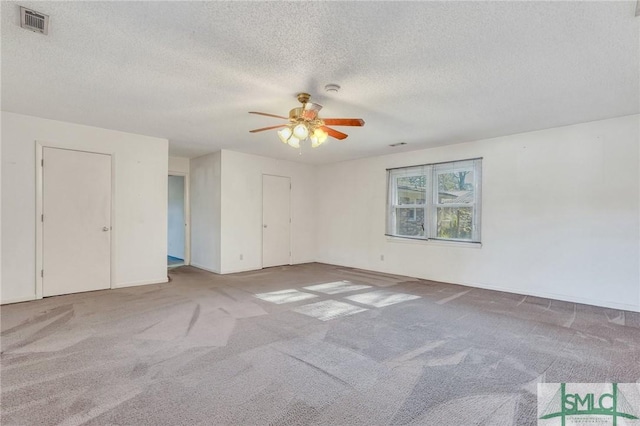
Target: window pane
column 455, row 222
column 455, row 187
column 410, row 222
column 411, row 189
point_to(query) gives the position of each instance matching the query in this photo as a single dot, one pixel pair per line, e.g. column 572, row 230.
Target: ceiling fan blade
column 343, row 121
column 311, row 111
column 267, row 128
column 334, row 133
column 268, row 115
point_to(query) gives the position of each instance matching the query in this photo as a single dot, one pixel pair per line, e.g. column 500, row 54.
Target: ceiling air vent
column 34, row 21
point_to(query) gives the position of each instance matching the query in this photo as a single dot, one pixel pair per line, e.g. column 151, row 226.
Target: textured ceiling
column 425, row 73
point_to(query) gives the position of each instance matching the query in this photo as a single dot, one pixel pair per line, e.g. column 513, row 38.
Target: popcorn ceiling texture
column 425, row 73
column 203, row 349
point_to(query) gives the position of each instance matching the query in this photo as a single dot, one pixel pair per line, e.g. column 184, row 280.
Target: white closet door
column 276, row 221
column 77, row 221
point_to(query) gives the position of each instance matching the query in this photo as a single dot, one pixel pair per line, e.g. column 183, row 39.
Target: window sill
column 464, row 244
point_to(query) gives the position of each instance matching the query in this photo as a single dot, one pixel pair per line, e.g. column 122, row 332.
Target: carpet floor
column 306, row 344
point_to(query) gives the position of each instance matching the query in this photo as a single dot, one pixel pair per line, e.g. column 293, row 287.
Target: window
column 435, row 201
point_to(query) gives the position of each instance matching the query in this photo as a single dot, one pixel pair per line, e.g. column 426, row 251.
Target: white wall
column 140, row 196
column 1, row 298
column 560, row 215
column 176, row 217
column 242, row 209
column 179, row 165
column 205, row 178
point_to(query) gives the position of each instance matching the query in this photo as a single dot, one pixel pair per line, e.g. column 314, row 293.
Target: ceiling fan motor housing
column 295, row 114
column 303, row 98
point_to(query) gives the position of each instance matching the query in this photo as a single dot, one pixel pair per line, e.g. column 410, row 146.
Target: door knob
column 105, row 229
column 264, row 226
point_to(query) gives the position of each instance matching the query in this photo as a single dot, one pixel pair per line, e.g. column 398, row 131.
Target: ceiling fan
column 304, row 124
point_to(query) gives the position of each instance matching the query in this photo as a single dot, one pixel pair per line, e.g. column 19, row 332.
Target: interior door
column 76, row 221
column 276, row 221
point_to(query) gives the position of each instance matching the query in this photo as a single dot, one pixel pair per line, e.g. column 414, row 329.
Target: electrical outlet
column 382, row 257
column 241, row 256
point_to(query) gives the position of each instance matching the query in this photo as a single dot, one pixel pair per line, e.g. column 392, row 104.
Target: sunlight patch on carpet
column 337, row 287
column 285, row 296
column 381, row 298
column 328, row 309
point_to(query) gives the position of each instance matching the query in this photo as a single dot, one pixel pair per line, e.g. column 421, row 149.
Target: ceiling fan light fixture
column 284, row 134
column 301, row 131
column 321, row 135
column 304, row 125
column 314, row 141
column 294, row 142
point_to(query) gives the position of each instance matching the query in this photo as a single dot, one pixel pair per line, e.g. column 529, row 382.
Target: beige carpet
column 308, row 344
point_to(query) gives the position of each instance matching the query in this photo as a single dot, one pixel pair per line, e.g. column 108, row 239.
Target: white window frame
column 431, row 173
column 394, row 205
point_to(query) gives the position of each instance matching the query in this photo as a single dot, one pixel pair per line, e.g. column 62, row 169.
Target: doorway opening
column 177, row 222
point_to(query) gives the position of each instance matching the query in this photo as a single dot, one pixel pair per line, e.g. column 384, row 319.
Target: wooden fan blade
column 343, row 121
column 268, row 115
column 311, row 111
column 334, row 133
column 267, row 128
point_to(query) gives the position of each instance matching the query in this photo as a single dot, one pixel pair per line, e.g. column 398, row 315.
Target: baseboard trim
column 122, row 285
column 204, row 268
column 142, row 282
column 237, row 271
column 560, row 297
column 18, row 300
column 303, row 261
column 258, row 268
column 544, row 295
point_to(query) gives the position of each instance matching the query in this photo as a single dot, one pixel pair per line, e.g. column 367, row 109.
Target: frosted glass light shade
column 314, row 141
column 300, row 131
column 294, row 142
column 321, row 135
column 284, row 134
